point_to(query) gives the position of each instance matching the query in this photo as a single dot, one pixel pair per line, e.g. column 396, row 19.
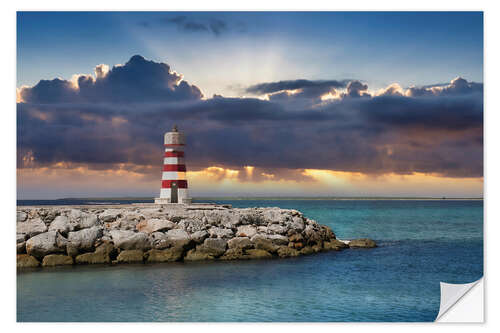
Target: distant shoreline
column 273, row 198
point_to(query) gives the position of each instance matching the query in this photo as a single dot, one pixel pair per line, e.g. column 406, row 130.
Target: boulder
column 297, row 237
column 85, row 239
column 199, row 236
column 25, row 261
column 262, row 229
column 278, row 239
column 233, row 254
column 88, row 221
column 153, row 225
column 297, row 223
column 216, row 232
column 102, row 255
column 107, row 248
column 171, row 254
column 20, row 238
column 31, row 227
column 21, row 247
column 42, row 244
column 277, row 229
column 312, row 235
column 261, row 242
column 57, row 260
column 49, row 215
column 306, row 250
column 130, row 240
column 130, row 221
column 335, row 245
column 158, row 240
column 274, row 216
column 326, row 233
column 198, row 254
column 61, row 224
column 93, row 258
column 178, row 238
column 191, row 225
column 72, row 250
column 296, row 245
column 130, row 256
column 362, row 243
column 210, row 249
column 20, row 243
column 285, row 252
column 110, row 215
column 215, row 245
column 257, row 254
column 251, row 216
column 246, row 231
column 21, row 216
column 240, row 242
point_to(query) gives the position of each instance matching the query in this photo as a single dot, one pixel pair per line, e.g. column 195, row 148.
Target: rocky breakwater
column 64, row 235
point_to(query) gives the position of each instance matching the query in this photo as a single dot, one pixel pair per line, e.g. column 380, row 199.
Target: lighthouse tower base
column 164, row 201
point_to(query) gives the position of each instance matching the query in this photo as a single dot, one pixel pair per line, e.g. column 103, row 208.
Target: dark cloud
column 438, row 132
column 272, row 87
column 356, row 89
column 139, row 80
column 212, row 25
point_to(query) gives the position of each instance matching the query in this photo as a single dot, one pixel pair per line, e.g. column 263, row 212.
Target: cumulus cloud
column 139, row 80
column 438, row 130
column 356, row 89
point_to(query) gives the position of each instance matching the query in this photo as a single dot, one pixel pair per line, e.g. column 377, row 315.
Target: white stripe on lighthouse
column 173, row 160
column 173, row 175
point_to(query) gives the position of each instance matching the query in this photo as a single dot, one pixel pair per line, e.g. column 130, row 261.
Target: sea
column 420, row 244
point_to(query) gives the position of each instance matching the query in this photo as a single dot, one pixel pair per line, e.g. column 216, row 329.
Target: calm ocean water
column 420, row 244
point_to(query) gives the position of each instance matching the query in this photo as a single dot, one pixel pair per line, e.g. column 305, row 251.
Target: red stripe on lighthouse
column 174, row 145
column 168, row 183
column 174, row 167
column 174, row 154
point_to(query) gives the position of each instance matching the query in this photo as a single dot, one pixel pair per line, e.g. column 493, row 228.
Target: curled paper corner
column 461, row 302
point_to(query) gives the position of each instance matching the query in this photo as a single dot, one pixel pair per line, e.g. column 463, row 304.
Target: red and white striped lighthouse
column 174, row 188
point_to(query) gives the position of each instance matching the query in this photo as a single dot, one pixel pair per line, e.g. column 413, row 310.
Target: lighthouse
column 174, row 187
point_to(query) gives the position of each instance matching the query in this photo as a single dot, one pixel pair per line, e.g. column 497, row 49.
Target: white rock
column 177, row 238
column 220, row 232
column 31, row 227
column 21, row 216
column 246, row 231
column 297, row 223
column 277, row 229
column 85, row 238
column 153, row 225
column 42, row 244
column 239, row 242
column 88, row 221
column 130, row 240
column 199, row 236
column 110, row 215
column 61, row 224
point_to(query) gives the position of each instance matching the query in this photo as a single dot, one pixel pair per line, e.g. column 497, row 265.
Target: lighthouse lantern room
column 174, row 188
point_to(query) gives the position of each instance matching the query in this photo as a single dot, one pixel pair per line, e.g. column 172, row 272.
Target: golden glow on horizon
column 74, row 179
column 249, row 170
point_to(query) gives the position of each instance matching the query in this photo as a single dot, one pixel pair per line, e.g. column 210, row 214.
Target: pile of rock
column 64, row 235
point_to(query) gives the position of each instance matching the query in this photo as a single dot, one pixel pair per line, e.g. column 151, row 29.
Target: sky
column 272, row 103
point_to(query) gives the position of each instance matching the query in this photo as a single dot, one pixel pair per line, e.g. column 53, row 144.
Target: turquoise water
column 420, row 244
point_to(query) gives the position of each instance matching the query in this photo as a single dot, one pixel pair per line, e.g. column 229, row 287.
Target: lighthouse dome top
column 175, row 137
